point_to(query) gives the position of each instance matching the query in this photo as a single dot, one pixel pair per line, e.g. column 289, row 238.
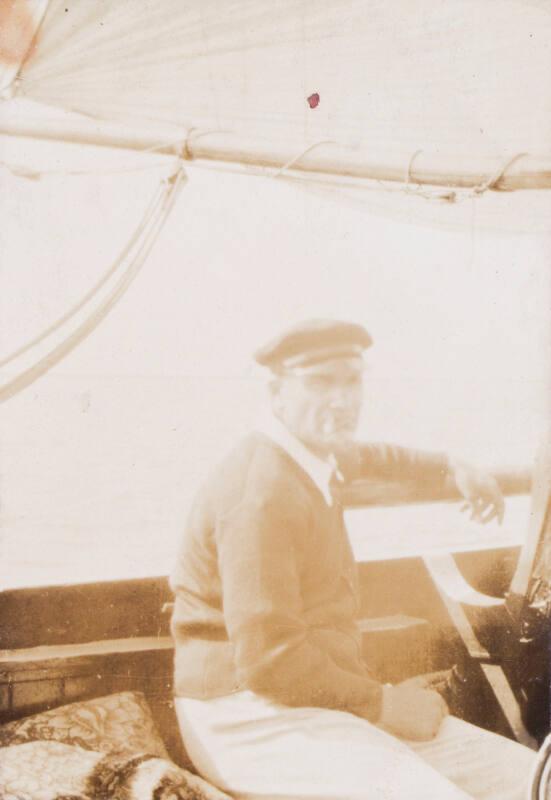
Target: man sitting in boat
column 272, row 695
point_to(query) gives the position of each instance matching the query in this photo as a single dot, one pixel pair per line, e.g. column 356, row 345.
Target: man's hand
column 480, row 490
column 412, row 713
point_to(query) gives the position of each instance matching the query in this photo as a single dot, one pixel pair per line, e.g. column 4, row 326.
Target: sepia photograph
column 275, row 399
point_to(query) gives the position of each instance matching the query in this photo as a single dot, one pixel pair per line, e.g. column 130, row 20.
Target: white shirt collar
column 317, row 469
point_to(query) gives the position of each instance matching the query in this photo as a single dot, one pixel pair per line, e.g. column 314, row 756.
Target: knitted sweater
column 266, row 589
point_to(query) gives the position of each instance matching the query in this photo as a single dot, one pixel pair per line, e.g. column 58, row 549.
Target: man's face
column 321, row 407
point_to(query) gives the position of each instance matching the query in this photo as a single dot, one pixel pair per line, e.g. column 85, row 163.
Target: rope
column 153, row 207
column 409, row 167
column 280, row 170
column 24, row 172
column 452, row 195
column 184, row 145
column 24, row 379
column 181, row 145
column 446, row 195
column 493, row 181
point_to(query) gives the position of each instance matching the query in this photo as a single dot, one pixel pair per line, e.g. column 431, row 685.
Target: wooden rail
column 369, row 493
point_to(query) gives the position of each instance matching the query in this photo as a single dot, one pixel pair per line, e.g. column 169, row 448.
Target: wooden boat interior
column 72, row 642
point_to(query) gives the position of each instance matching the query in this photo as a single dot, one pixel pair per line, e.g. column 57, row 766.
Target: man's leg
column 485, row 765
column 253, row 748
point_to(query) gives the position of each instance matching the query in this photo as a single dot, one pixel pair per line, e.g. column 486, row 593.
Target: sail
column 453, row 93
column 462, row 82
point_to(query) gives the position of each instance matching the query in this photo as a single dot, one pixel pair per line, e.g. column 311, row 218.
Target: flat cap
column 312, row 342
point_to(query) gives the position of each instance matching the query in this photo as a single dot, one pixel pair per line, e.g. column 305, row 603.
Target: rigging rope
column 20, row 171
column 153, row 208
column 148, row 231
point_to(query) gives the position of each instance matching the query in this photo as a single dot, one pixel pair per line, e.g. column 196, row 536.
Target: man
column 273, row 698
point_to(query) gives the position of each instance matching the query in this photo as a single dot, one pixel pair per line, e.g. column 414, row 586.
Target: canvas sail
column 450, row 93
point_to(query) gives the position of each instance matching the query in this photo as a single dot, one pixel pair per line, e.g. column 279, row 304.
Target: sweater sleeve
column 276, row 655
column 389, row 462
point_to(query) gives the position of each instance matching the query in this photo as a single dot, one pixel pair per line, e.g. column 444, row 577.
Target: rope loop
column 493, row 180
column 407, row 179
column 445, row 195
column 291, row 163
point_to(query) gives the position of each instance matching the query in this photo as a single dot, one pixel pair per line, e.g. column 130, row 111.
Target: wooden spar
column 326, row 158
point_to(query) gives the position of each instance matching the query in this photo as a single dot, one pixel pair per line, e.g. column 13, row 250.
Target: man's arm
column 277, row 653
column 385, row 462
column 389, row 462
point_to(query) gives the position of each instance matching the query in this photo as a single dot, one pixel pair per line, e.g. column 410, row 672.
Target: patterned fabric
column 44, row 769
column 56, row 771
column 119, row 723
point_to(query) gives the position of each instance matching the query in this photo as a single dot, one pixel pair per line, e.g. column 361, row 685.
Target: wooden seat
column 520, row 618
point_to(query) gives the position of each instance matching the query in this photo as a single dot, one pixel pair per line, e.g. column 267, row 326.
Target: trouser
column 256, row 749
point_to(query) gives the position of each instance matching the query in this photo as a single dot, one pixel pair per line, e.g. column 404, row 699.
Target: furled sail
column 452, row 93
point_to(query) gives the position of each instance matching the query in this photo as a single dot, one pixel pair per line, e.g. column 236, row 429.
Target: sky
column 100, row 458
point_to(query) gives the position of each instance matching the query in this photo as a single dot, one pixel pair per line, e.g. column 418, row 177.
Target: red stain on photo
column 313, row 100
